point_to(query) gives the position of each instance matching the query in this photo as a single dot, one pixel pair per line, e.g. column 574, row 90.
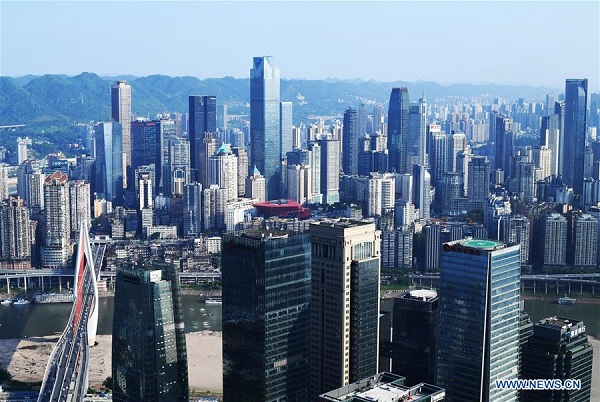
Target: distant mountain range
column 60, row 99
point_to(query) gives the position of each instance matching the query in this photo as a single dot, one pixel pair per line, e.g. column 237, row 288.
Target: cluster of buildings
column 301, row 321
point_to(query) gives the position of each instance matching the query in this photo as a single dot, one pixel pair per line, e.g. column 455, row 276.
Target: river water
column 47, row 319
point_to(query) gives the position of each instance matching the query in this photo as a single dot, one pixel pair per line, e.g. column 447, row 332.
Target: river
column 46, row 319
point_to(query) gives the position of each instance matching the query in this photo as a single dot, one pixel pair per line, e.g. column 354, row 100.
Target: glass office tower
column 265, row 138
column 266, row 322
column 574, row 133
column 203, row 119
column 398, row 129
column 558, row 349
column 478, row 339
column 149, row 355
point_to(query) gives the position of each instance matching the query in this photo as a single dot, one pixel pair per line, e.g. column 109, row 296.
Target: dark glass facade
column 574, row 133
column 266, row 322
column 398, row 129
column 109, row 162
column 203, row 119
column 350, row 142
column 149, row 355
column 558, row 349
column 414, row 336
column 145, row 148
column 478, row 338
column 265, row 137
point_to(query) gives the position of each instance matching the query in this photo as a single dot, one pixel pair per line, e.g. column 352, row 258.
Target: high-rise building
column 381, row 194
column 515, row 229
column 285, row 127
column 255, row 186
column 397, row 250
column 266, row 321
column 223, row 171
column 414, row 335
column 242, row 160
column 345, row 302
column 120, row 99
column 315, row 166
column 503, row 139
column 57, row 248
column 299, row 183
column 438, row 151
column 575, row 133
column 203, row 120
column 178, row 170
column 265, row 137
column 146, row 147
column 3, row 182
column 81, row 202
column 330, row 170
column 398, row 129
column 478, row 340
column 222, row 118
column 456, row 143
column 478, row 179
column 554, row 235
column 109, row 162
column 149, row 355
column 433, row 242
column 22, row 154
column 15, row 234
column 350, row 142
column 422, row 190
column 550, row 137
column 585, row 242
column 192, row 209
column 558, row 350
column 214, row 203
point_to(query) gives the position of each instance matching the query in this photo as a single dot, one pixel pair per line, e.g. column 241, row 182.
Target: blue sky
column 508, row 42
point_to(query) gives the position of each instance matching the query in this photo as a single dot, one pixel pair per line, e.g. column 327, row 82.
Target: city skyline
column 377, row 49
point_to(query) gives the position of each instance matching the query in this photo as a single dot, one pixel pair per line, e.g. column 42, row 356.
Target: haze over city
column 520, row 43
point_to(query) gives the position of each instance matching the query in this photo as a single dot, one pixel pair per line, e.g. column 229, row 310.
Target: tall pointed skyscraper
column 574, row 133
column 398, row 129
column 120, row 99
column 265, row 140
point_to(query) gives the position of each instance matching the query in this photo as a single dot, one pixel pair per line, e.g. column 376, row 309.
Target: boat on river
column 566, row 301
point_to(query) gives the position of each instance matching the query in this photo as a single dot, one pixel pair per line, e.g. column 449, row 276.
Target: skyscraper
column 203, row 119
column 398, row 129
column 79, row 196
column 478, row 181
column 178, row 171
column 15, row 234
column 554, row 235
column 255, row 185
column 350, row 139
column 575, row 133
column 585, row 242
column 504, row 139
column 345, row 302
column 414, row 335
column 149, row 355
column 285, row 117
column 120, row 99
column 109, row 165
column 330, row 170
column 22, row 154
column 57, row 248
column 558, row 349
column 145, row 147
column 192, row 209
column 478, row 340
column 223, row 171
column 265, row 141
column 266, row 322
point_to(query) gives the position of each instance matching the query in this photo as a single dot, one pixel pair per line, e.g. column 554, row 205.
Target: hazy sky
column 534, row 43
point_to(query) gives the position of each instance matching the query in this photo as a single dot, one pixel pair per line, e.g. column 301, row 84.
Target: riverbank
column 585, row 299
column 25, row 359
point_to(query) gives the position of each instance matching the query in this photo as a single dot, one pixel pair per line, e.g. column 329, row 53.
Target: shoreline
column 25, row 359
column 553, row 298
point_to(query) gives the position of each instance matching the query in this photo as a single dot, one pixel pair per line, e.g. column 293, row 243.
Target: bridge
column 66, row 376
column 538, row 284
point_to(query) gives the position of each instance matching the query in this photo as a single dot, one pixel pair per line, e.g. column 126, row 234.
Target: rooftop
column 423, row 294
